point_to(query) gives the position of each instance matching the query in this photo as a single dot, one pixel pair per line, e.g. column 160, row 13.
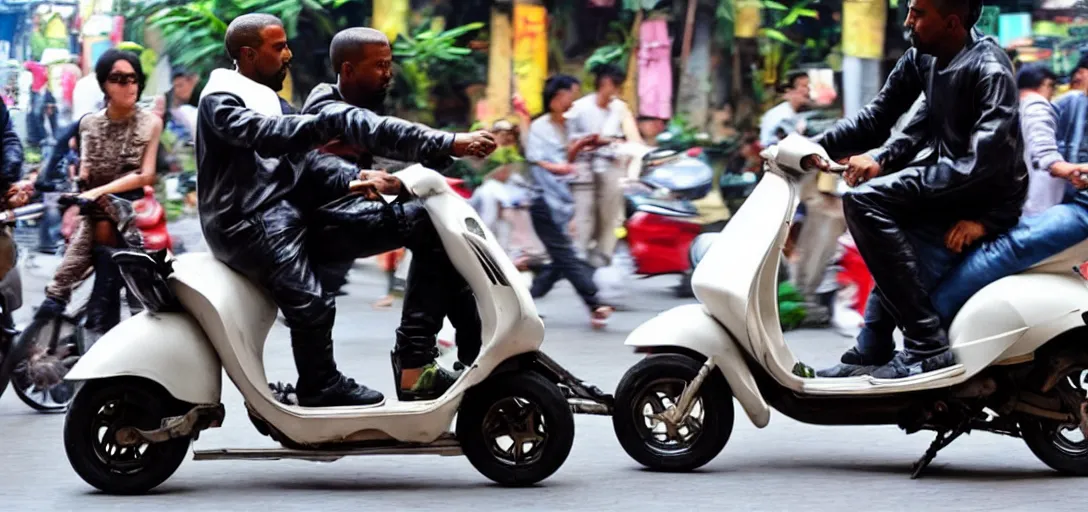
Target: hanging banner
column 499, row 53
column 863, row 23
column 531, row 54
column 391, row 17
column 748, row 15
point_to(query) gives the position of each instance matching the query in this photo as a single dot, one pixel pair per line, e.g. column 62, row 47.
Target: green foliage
column 779, row 49
column 194, row 30
column 429, row 58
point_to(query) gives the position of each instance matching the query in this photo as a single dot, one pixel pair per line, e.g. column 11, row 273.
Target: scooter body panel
column 691, row 327
column 168, row 348
column 236, row 315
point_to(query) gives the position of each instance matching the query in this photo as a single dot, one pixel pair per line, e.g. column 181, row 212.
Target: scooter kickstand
column 944, row 438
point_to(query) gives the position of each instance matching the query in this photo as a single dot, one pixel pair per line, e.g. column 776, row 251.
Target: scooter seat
column 666, row 207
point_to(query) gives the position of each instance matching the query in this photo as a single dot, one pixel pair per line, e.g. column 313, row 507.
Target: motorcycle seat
column 667, row 208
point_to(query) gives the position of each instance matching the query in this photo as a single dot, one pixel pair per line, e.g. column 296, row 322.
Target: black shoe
column 903, row 365
column 432, row 384
column 854, row 364
column 343, row 392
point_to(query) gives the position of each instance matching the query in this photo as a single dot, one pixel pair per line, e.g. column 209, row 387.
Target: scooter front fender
column 692, row 328
column 168, row 348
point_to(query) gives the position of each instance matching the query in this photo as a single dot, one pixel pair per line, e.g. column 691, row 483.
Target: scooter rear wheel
column 650, row 388
column 516, row 428
column 1063, row 447
column 102, row 407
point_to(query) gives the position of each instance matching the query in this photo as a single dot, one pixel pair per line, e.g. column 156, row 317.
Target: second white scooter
column 1019, row 343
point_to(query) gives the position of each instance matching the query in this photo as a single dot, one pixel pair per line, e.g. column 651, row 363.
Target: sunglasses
column 122, row 79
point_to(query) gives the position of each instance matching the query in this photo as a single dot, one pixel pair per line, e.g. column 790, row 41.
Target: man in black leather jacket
column 913, row 220
column 256, row 167
column 11, row 154
column 362, row 59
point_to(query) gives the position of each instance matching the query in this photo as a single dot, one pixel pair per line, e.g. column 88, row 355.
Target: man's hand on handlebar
column 478, row 144
column 859, row 169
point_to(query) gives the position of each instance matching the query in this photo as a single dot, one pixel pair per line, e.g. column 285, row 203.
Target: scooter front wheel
column 101, row 408
column 645, row 400
column 516, row 428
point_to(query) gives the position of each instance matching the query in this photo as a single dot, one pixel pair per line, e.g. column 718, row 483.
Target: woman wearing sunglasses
column 118, row 146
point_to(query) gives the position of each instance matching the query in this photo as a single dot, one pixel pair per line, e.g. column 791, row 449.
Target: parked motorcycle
column 1019, row 344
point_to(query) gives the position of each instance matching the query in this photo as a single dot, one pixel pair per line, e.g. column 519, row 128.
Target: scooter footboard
column 168, row 348
column 692, row 328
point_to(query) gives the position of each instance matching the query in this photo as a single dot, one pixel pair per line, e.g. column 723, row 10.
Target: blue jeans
column 934, row 261
column 1033, row 240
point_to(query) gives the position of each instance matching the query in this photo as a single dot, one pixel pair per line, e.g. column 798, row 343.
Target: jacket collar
column 254, row 96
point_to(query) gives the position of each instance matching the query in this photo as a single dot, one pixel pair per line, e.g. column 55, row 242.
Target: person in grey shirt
column 550, row 153
column 1048, row 172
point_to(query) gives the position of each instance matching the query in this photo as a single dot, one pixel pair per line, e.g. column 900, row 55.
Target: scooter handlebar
column 30, row 211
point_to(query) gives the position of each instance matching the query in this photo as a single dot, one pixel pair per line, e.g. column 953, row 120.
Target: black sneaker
column 854, row 364
column 343, row 392
column 903, row 365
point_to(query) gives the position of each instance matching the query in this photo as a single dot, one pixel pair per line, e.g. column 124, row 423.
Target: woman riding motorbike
column 118, row 147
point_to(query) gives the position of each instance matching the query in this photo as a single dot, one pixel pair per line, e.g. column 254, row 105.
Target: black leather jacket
column 249, row 162
column 971, row 121
column 11, row 155
column 326, row 96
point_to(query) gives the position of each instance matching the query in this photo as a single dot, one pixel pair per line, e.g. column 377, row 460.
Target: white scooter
column 150, row 385
column 1019, row 343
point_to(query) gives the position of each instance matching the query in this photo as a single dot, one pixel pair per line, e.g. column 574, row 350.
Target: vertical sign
column 863, row 23
column 531, row 54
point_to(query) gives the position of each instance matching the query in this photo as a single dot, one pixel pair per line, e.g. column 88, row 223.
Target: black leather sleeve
column 872, row 126
column 231, row 122
column 393, row 138
column 12, row 169
column 901, row 149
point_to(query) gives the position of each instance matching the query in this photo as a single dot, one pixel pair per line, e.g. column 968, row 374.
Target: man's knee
column 419, row 230
column 307, row 311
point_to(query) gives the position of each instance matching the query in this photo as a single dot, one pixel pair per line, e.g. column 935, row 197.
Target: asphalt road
column 786, row 466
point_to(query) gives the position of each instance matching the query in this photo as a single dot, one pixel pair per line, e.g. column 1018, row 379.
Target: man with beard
column 912, row 221
column 362, row 59
column 256, row 166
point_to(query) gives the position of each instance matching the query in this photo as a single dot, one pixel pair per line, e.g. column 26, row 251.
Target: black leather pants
column 883, row 217
column 292, row 257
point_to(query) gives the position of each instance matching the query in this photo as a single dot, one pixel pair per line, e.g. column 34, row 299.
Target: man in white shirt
column 784, row 115
column 87, row 97
column 598, row 198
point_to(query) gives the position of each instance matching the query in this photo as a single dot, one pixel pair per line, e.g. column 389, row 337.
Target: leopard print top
column 110, row 149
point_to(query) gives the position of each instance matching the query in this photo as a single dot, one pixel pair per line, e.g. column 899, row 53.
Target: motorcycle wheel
column 37, row 370
column 1063, row 447
column 649, row 389
column 102, row 407
column 516, row 428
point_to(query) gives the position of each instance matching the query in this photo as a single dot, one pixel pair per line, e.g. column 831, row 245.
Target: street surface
column 787, row 466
